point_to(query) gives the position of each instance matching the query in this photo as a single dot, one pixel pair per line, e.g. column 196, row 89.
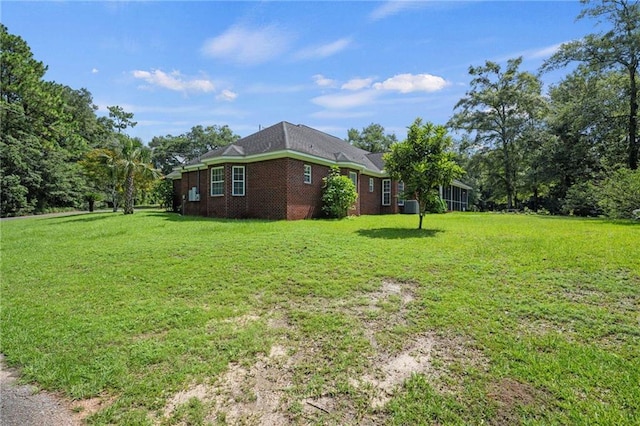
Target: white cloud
column 345, row 101
column 407, row 83
column 357, row 84
column 266, row 89
column 248, row 46
column 174, row 81
column 324, row 50
column 391, row 8
column 95, row 71
column 323, row 81
column 326, row 114
column 543, row 52
column 227, row 95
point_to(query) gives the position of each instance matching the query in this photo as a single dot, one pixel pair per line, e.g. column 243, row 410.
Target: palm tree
column 134, row 160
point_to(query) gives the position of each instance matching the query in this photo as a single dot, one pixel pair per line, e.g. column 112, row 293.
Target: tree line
column 56, row 153
column 571, row 150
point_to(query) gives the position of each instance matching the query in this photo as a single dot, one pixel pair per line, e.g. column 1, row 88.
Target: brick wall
column 275, row 189
column 266, row 196
column 370, row 202
column 177, row 195
column 304, row 200
column 217, row 205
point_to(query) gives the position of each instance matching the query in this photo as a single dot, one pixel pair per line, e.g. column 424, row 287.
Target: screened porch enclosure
column 456, row 196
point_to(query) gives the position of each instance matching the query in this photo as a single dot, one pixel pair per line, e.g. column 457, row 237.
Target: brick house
column 277, row 173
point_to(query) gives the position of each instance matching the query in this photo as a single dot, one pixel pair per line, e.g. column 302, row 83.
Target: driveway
column 23, row 405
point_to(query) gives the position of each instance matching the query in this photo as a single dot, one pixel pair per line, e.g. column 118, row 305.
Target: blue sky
column 329, row 65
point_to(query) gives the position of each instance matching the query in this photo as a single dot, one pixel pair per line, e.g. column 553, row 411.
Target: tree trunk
column 633, row 121
column 128, row 201
column 421, row 217
column 114, row 199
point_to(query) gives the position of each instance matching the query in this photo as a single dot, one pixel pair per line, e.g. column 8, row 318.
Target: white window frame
column 307, row 174
column 400, row 193
column 386, row 191
column 371, row 184
column 354, row 178
column 234, row 181
column 220, row 181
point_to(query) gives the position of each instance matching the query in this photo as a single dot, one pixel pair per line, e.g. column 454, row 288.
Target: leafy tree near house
column 372, row 138
column 100, row 168
column 171, row 151
column 134, row 159
column 423, row 162
column 338, row 194
column 123, row 164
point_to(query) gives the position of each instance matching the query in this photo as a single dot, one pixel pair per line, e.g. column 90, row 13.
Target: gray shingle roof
column 299, row 138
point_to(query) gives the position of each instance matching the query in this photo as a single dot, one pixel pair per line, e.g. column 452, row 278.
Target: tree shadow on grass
column 177, row 217
column 397, row 233
column 80, row 218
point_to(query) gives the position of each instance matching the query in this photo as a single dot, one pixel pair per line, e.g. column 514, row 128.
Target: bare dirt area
column 266, row 392
column 510, row 395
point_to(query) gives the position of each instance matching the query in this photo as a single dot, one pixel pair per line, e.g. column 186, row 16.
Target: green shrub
column 582, row 199
column 339, row 194
column 436, row 204
column 13, row 197
column 163, row 193
column 620, row 194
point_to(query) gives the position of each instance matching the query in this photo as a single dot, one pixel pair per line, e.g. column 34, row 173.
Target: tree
column 133, row 159
column 338, row 194
column 44, row 128
column 119, row 119
column 500, row 109
column 100, row 166
column 587, row 124
column 372, row 138
column 171, row 151
column 620, row 194
column 616, row 49
column 423, row 162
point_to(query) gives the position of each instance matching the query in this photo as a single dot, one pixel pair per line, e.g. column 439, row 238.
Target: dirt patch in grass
column 84, row 408
column 274, row 389
column 390, row 371
column 510, row 395
column 243, row 395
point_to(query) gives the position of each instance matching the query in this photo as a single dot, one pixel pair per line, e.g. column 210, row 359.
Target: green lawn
column 160, row 319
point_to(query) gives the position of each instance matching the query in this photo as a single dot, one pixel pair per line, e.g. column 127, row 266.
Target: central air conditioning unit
column 194, row 195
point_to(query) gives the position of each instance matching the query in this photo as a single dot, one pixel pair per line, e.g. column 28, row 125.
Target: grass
column 522, row 319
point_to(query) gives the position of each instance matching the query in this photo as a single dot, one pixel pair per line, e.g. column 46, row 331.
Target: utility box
column 411, row 207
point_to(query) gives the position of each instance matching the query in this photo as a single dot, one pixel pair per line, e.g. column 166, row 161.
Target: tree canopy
column 424, row 162
column 617, row 48
column 171, row 151
column 45, row 128
column 372, row 138
column 55, row 152
column 500, row 109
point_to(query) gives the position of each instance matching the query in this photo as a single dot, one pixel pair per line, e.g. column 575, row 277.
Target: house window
column 371, row 182
column 386, row 192
column 238, row 181
column 217, row 181
column 354, row 178
column 401, row 193
column 307, row 173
